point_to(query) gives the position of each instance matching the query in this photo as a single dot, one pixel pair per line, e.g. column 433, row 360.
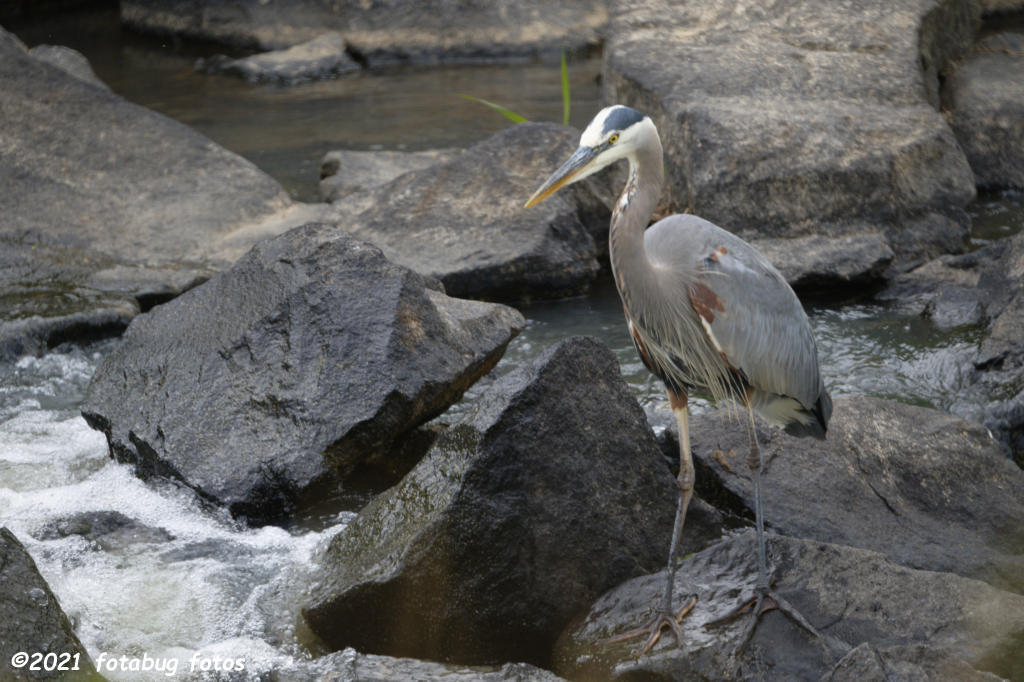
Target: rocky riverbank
column 279, row 356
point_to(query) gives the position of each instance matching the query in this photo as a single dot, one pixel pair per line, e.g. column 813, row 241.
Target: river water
column 219, row 590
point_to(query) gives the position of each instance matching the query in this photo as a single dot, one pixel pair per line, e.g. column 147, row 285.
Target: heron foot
column 765, row 599
column 654, row 627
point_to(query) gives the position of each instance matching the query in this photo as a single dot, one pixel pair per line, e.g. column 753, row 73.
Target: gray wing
column 747, row 310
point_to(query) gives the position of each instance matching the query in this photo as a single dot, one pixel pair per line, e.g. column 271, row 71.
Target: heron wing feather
column 747, row 310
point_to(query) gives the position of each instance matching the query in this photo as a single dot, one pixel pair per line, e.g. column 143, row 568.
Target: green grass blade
column 565, row 92
column 510, row 115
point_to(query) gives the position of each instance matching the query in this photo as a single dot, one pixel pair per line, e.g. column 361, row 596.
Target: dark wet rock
column 351, row 666
column 821, row 262
column 1001, row 6
column 214, row 548
column 985, row 288
column 463, row 221
column 311, row 355
column 347, row 171
column 108, row 206
column 552, row 491
column 987, row 100
column 107, row 530
column 429, row 31
column 921, row 624
column 321, row 58
column 72, row 61
column 31, row 618
column 926, row 489
column 802, row 118
column 904, row 662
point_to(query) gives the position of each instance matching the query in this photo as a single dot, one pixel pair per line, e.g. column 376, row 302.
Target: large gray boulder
column 108, row 207
column 987, row 100
column 549, row 493
column 912, row 624
column 926, row 489
column 984, row 288
column 799, row 118
column 277, row 379
column 463, row 221
column 381, row 32
column 32, row 621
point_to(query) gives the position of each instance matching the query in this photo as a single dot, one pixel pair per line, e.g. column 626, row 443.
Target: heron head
column 615, row 133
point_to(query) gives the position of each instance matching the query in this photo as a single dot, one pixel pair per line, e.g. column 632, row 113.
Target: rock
column 320, row 58
column 463, row 221
column 71, row 61
column 987, row 100
column 903, row 662
column 346, row 171
column 383, row 32
column 263, row 387
column 213, row 548
column 351, row 666
column 819, row 262
column 551, row 492
column 108, row 206
column 928, row 490
column 110, row 531
column 802, row 118
column 998, row 6
column 924, row 624
column 32, row 621
column 986, row 288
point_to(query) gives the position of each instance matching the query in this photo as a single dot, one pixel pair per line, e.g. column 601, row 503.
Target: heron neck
column 630, row 264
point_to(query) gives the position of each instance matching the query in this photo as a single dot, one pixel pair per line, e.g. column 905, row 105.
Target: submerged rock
column 346, row 171
column 351, row 666
column 107, row 530
column 427, row 31
column 322, row 57
column 265, row 386
column 109, row 207
column 987, row 100
column 917, row 621
column 802, row 118
column 32, row 621
column 463, row 221
column 926, row 489
column 551, row 492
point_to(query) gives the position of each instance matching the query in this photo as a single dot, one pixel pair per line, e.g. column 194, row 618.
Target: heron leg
column 765, row 598
column 666, row 616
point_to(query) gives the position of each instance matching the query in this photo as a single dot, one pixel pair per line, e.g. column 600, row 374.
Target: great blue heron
column 707, row 312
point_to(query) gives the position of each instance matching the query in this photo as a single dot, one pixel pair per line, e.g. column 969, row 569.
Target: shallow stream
column 217, row 589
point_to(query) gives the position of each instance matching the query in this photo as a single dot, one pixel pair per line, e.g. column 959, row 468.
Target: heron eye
column 613, row 139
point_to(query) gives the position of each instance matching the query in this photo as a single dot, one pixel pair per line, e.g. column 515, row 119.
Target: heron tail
column 792, row 417
column 816, row 422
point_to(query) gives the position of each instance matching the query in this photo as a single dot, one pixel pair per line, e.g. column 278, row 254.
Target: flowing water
column 216, row 589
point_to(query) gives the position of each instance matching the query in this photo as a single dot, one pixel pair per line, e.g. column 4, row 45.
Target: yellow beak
column 570, row 171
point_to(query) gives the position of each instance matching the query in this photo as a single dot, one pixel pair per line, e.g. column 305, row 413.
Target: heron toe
column 654, row 627
column 765, row 599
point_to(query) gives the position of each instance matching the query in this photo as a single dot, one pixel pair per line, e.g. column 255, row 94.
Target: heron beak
column 572, row 170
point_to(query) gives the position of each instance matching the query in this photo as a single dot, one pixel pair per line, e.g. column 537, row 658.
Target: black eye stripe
column 621, row 118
